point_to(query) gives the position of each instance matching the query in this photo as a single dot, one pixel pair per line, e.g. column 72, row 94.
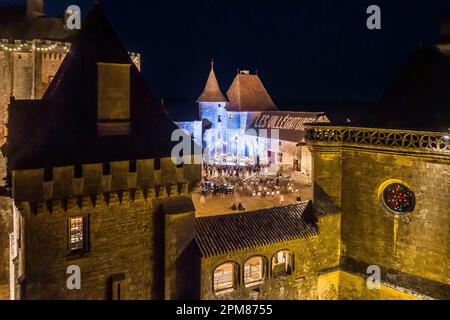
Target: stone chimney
column 35, row 8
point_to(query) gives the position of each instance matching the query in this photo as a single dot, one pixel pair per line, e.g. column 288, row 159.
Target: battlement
column 145, row 197
column 160, row 177
column 53, row 56
column 34, row 45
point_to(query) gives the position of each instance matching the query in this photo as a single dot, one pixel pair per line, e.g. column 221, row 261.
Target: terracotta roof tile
column 247, row 93
column 212, row 92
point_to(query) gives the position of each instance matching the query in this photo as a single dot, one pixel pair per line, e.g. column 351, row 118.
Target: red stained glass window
column 399, row 198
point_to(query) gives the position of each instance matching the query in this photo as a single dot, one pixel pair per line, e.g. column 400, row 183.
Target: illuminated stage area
column 245, row 127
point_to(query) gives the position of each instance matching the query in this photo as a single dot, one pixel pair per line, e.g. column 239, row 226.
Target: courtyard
column 257, row 191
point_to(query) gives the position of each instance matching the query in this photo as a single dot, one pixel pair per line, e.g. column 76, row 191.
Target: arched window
column 224, row 277
column 253, row 270
column 281, row 263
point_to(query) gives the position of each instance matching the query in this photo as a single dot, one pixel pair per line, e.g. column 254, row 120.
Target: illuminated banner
column 289, row 124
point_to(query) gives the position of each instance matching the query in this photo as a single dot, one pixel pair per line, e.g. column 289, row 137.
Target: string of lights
column 33, row 46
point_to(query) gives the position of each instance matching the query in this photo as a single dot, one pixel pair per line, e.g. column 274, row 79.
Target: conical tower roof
column 65, row 121
column 212, row 92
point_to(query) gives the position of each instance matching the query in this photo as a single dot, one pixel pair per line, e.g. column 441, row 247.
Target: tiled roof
column 64, row 130
column 247, row 93
column 212, row 92
column 232, row 232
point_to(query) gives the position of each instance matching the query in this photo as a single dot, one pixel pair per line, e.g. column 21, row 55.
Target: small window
column 106, row 168
column 281, row 263
column 399, row 198
column 157, row 164
column 48, row 174
column 132, row 166
column 78, row 171
column 253, row 270
column 224, row 277
column 78, row 235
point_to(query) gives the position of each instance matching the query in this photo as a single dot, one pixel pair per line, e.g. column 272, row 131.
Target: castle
column 92, row 184
column 246, row 127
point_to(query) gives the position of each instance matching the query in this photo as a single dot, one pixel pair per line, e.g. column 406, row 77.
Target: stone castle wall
column 120, row 243
column 26, row 69
column 411, row 249
column 416, row 246
column 128, row 230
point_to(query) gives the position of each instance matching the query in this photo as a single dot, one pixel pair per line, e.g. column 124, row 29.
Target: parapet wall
column 160, row 178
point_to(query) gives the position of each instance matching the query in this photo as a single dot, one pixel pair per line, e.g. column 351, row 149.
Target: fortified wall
column 132, row 207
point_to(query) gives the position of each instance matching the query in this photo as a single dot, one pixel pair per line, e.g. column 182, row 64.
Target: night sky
column 303, row 50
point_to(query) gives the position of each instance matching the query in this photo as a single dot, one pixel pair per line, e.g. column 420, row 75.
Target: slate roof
column 15, row 24
column 419, row 96
column 212, row 92
column 62, row 129
column 221, row 234
column 247, row 93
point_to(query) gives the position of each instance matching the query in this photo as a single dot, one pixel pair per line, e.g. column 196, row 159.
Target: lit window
column 253, row 270
column 224, row 277
column 78, row 234
column 281, row 263
column 398, row 198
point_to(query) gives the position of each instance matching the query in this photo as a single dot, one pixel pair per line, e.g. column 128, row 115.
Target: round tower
column 212, row 107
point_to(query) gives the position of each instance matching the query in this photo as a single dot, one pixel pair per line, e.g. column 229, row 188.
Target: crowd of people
column 251, row 180
column 212, row 170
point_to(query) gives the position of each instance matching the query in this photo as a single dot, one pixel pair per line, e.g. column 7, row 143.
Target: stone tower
column 212, row 108
column 93, row 183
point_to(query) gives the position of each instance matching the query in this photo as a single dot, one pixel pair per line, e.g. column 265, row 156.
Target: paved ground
column 215, row 205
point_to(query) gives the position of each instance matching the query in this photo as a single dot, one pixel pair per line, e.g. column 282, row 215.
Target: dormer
column 113, row 98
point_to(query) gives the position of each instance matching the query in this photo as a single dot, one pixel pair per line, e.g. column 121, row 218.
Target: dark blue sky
column 313, row 50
